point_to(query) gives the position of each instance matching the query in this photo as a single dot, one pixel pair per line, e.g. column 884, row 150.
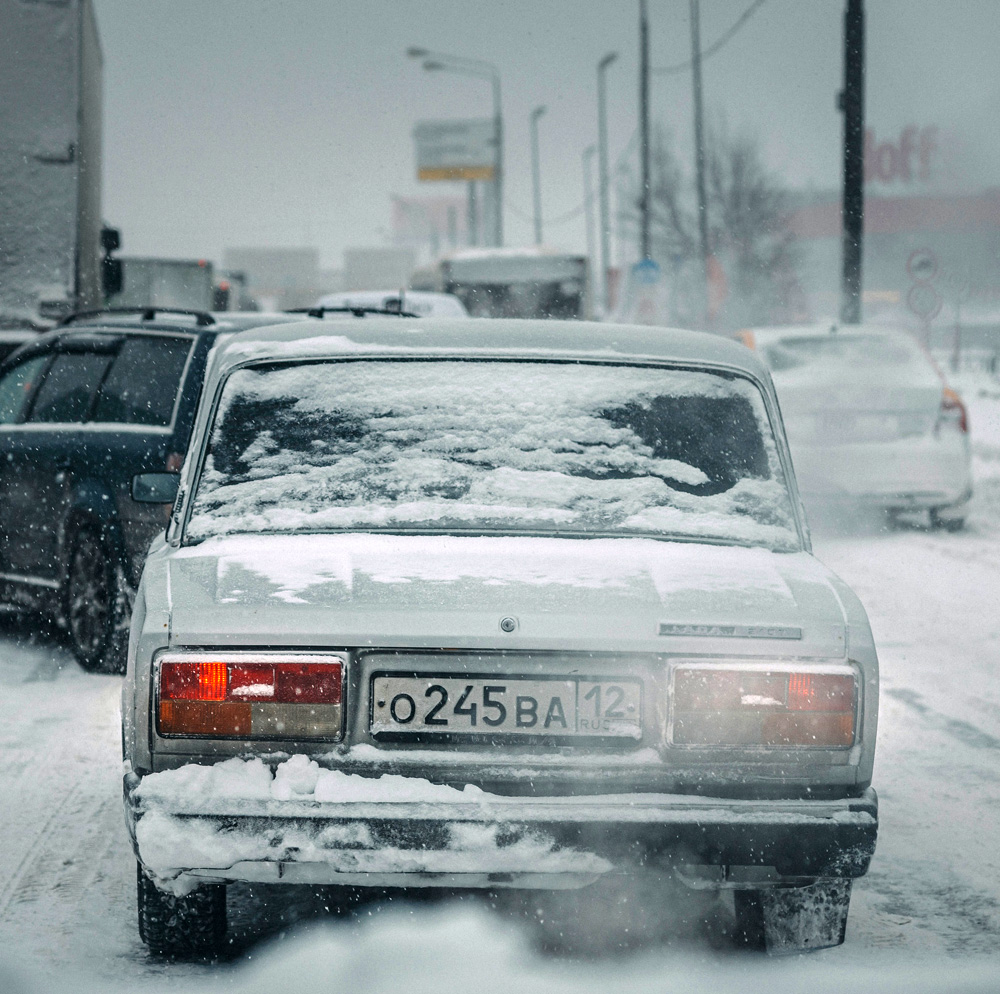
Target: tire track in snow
column 9, row 888
column 964, row 731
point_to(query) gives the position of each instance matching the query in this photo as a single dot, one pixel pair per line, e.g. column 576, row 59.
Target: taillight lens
column 953, row 411
column 259, row 696
column 727, row 707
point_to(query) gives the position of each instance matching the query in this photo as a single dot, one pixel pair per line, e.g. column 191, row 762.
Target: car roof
column 822, row 329
column 164, row 319
column 507, row 338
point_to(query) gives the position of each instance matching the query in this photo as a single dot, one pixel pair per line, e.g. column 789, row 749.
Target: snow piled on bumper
column 173, row 843
column 299, row 778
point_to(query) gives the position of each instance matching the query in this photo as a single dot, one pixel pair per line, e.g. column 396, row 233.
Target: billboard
column 455, row 150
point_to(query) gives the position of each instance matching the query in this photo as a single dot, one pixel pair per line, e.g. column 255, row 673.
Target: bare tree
column 748, row 236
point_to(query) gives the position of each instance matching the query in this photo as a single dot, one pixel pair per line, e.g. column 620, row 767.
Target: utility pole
column 603, row 181
column 699, row 147
column 536, row 173
column 498, row 161
column 472, row 216
column 852, row 104
column 588, row 196
column 644, row 249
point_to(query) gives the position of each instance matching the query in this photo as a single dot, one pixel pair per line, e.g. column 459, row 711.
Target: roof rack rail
column 358, row 312
column 202, row 318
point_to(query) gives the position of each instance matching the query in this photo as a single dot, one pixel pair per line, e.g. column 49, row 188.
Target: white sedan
column 423, row 303
column 870, row 418
column 485, row 605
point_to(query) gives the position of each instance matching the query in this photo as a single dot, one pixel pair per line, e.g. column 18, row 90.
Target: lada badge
column 732, row 631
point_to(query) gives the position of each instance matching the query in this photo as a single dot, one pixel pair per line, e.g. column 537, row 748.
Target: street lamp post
column 536, row 173
column 603, row 181
column 588, row 196
column 644, row 180
column 479, row 69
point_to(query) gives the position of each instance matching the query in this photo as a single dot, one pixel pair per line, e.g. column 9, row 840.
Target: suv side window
column 16, row 387
column 68, row 388
column 141, row 387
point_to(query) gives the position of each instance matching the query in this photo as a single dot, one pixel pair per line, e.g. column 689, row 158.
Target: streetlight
column 479, row 69
column 603, row 180
column 588, row 195
column 536, row 177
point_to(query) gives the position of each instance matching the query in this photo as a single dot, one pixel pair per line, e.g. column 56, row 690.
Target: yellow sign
column 456, row 173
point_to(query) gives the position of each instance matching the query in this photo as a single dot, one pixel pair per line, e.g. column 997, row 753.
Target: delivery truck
column 50, row 161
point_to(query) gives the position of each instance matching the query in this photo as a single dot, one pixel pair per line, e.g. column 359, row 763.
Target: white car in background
column 420, row 302
column 870, row 418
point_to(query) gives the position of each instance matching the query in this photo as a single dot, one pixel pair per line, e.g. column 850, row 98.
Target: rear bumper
column 547, row 842
column 908, row 473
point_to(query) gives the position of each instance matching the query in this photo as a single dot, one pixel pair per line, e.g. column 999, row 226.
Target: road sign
column 922, row 265
column 455, row 150
column 647, row 273
column 924, row 301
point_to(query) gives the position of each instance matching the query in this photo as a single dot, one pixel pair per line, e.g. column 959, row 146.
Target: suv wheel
column 790, row 919
column 177, row 926
column 97, row 609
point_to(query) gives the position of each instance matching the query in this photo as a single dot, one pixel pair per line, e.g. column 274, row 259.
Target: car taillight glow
column 242, row 696
column 724, row 707
column 953, row 411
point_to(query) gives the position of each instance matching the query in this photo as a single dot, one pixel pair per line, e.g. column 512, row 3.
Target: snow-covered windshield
column 493, row 447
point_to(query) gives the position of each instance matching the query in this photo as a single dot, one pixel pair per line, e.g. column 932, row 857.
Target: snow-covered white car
column 870, row 418
column 508, row 605
column 423, row 303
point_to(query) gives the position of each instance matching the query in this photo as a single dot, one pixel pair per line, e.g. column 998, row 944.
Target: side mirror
column 155, row 488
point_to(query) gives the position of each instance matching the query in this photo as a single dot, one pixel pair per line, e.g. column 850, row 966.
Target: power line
column 706, row 53
column 716, row 45
column 584, row 204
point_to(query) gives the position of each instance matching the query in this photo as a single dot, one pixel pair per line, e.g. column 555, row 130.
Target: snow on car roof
column 821, row 329
column 506, row 337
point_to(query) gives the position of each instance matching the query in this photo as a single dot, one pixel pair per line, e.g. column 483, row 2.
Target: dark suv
column 83, row 409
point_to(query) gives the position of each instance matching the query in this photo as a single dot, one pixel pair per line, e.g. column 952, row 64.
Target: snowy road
column 67, row 901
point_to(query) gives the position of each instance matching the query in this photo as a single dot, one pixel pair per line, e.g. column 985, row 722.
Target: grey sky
column 287, row 122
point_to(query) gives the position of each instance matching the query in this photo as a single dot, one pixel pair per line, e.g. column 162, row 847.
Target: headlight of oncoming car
column 250, row 695
column 764, row 705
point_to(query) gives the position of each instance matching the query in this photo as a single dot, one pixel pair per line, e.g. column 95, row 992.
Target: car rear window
column 141, row 386
column 493, row 447
column 840, row 351
column 68, row 389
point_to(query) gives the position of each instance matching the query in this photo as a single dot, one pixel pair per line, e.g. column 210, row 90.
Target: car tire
column 942, row 521
column 97, row 609
column 793, row 919
column 192, row 925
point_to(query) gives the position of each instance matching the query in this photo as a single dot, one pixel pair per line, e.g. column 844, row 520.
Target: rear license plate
column 512, row 708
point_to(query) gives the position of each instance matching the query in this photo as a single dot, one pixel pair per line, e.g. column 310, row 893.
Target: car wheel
column 97, row 610
column 789, row 919
column 941, row 520
column 177, row 926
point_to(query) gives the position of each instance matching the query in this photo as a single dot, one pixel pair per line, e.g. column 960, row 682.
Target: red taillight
column 728, row 707
column 233, row 695
column 953, row 410
column 193, row 681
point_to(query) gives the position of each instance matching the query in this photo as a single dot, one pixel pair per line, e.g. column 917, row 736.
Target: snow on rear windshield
column 492, row 447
